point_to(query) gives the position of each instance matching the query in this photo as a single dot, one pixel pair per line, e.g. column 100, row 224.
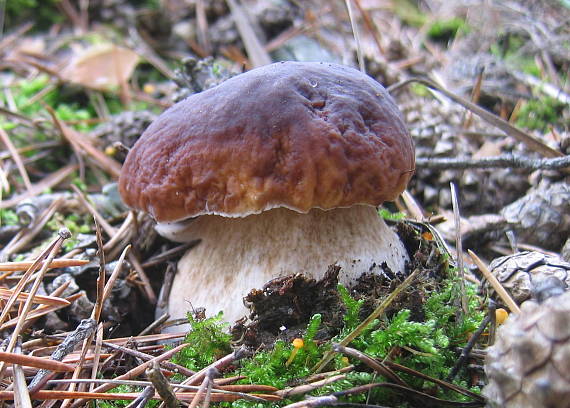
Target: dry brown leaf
column 102, row 67
column 488, row 149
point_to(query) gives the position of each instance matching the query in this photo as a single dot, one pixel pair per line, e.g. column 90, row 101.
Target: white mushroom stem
column 236, row 255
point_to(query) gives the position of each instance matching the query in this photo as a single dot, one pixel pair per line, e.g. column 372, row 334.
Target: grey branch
column 85, row 328
column 503, row 162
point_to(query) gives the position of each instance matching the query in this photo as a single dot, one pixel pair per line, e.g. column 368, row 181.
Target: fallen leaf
column 102, row 67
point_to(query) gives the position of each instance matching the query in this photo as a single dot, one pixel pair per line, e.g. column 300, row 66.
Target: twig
column 38, row 312
column 306, row 388
column 530, row 141
column 459, row 249
column 9, row 39
column 85, row 329
column 82, row 397
column 133, row 373
column 24, row 278
column 325, row 374
column 501, row 291
column 115, row 274
column 56, row 263
column 145, row 357
column 314, row 402
column 95, row 313
column 48, row 182
column 157, row 323
column 44, row 300
column 37, row 362
column 356, row 35
column 467, row 349
column 379, row 367
column 143, row 398
column 422, row 398
column 504, row 162
column 543, row 86
column 170, row 253
column 492, row 312
column 218, row 365
column 255, row 50
column 377, row 312
column 110, row 230
column 206, row 387
column 369, row 23
column 97, row 356
column 21, row 394
column 16, row 157
column 202, row 22
column 120, row 233
column 475, row 95
column 100, row 284
column 148, row 291
column 220, row 390
column 75, row 138
column 412, row 206
column 444, row 384
column 162, row 386
column 54, row 248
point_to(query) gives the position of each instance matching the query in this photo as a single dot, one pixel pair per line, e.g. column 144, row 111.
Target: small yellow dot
column 149, row 88
column 501, row 315
column 110, row 151
column 298, row 343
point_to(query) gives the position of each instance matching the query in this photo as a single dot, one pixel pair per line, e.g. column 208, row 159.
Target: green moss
column 76, row 224
column 270, row 367
column 391, row 216
column 508, row 48
column 8, row 217
column 427, row 346
column 446, row 30
column 208, row 340
column 538, row 114
column 353, row 306
column 43, row 12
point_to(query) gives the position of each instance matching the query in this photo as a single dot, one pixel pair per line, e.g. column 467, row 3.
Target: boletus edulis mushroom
column 277, row 171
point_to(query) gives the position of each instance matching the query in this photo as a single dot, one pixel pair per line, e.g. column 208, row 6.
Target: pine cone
column 521, row 273
column 542, row 217
column 529, row 366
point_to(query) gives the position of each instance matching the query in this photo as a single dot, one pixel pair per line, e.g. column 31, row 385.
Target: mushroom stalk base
column 236, row 255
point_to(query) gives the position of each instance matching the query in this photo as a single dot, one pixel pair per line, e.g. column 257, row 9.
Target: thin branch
column 162, row 386
column 530, row 141
column 506, row 161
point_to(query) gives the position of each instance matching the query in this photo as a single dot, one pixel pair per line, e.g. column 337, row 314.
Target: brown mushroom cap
column 290, row 134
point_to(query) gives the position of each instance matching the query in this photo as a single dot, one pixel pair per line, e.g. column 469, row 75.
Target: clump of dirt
column 282, row 309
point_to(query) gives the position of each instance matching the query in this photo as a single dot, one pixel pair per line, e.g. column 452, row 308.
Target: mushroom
column 277, row 171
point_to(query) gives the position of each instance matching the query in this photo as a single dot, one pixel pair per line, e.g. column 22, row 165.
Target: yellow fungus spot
column 297, row 345
column 149, row 88
column 110, row 151
column 428, row 236
column 501, row 315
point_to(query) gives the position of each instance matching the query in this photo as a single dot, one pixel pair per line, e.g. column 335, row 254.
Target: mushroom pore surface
column 282, row 166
